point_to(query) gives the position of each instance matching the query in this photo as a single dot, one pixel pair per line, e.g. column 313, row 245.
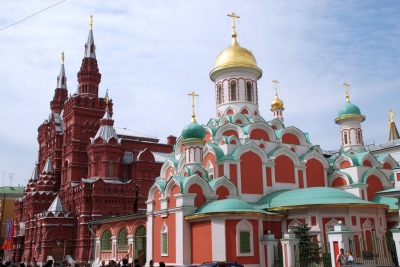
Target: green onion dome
column 193, row 131
column 349, row 109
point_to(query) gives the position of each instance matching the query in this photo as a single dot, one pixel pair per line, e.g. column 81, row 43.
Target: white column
column 149, row 237
column 269, row 241
column 288, row 242
column 396, row 239
column 97, row 250
column 218, row 245
column 114, row 251
column 182, row 234
column 341, row 235
column 131, row 245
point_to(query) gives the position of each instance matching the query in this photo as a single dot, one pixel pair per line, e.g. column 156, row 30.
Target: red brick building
column 86, row 170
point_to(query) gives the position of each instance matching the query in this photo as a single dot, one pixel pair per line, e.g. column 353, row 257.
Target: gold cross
column 91, row 21
column 276, row 86
column 107, row 99
column 391, row 115
column 233, row 16
column 347, row 91
column 193, row 94
column 62, row 58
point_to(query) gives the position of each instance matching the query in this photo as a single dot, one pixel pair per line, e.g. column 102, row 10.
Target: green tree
column 310, row 252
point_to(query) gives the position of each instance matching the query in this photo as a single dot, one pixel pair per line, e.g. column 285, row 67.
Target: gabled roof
column 56, row 206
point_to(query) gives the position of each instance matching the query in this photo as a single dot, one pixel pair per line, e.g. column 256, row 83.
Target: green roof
column 12, row 190
column 193, row 131
column 218, row 151
column 390, row 201
column 227, row 205
column 349, row 109
column 285, row 199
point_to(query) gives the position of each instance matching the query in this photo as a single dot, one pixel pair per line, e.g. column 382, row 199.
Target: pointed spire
column 393, row 133
column 107, row 115
column 48, row 167
column 57, row 205
column 35, row 174
column 61, row 78
column 90, row 48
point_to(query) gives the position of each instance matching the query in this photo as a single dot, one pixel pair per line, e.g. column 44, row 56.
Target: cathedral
column 225, row 190
column 87, row 169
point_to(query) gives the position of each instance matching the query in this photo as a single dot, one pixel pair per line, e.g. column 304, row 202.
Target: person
column 103, row 263
column 21, row 264
column 350, row 258
column 151, row 263
column 221, row 264
column 341, row 258
column 125, row 262
column 136, row 263
column 49, row 263
column 162, row 264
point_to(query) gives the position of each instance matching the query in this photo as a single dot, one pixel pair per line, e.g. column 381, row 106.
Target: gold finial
column 107, row 99
column 91, row 22
column 276, row 87
column 347, row 91
column 62, row 58
column 391, row 115
column 233, row 16
column 193, row 94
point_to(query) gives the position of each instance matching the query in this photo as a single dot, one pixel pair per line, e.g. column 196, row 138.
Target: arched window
column 346, row 141
column 233, row 91
column 164, row 240
column 122, row 237
column 110, row 168
column 105, row 241
column 140, row 242
column 360, row 141
column 219, row 94
column 249, row 91
column 244, row 236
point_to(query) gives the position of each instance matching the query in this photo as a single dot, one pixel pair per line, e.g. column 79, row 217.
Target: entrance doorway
column 140, row 244
column 57, row 250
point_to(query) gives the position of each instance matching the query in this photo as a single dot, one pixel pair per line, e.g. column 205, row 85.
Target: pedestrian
column 49, row 263
column 162, row 264
column 21, row 264
column 103, row 263
column 350, row 258
column 341, row 258
column 151, row 263
column 136, row 263
column 124, row 262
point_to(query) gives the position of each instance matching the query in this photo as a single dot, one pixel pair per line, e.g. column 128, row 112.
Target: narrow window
column 219, row 94
column 249, row 91
column 92, row 48
column 122, row 237
column 105, row 242
column 233, row 91
column 345, row 138
column 359, row 137
column 164, row 240
column 110, row 168
column 245, row 242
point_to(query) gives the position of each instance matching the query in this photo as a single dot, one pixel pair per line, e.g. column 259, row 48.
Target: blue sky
column 152, row 53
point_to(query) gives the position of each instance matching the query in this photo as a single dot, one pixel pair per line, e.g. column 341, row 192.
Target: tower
column 277, row 104
column 61, row 92
column 350, row 119
column 235, row 75
column 393, row 133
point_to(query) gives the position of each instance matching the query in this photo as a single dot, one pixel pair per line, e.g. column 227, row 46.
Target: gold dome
column 277, row 103
column 235, row 56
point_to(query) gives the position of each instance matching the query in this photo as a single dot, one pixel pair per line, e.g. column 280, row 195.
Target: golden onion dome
column 276, row 103
column 235, row 56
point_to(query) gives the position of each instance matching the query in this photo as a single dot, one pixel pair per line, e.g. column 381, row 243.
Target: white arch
column 178, row 145
column 171, row 184
column 225, row 182
column 227, row 127
column 315, row 155
column 181, row 162
column 265, row 127
column 339, row 160
column 378, row 173
column 152, row 191
column 277, row 123
column 299, row 134
column 336, row 175
column 390, row 160
column 252, row 147
column 257, row 118
column 287, row 152
column 371, row 159
column 196, row 179
column 168, row 163
column 240, row 116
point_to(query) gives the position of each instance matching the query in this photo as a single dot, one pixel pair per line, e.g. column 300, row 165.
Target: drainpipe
column 94, row 243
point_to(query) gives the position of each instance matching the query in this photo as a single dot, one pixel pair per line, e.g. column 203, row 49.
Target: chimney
column 171, row 140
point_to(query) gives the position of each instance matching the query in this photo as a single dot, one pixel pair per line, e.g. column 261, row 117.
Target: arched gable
column 276, row 124
column 225, row 119
column 121, row 225
column 245, row 110
column 156, row 187
column 225, row 182
column 229, row 127
column 352, row 150
column 170, row 185
column 209, row 134
column 181, row 162
column 169, row 164
column 387, row 161
column 195, row 179
column 270, row 133
column 378, row 173
column 250, row 146
column 339, row 161
column 59, row 232
column 232, row 140
column 370, row 158
column 198, row 169
column 179, row 145
column 145, row 155
column 339, row 175
column 295, row 132
column 317, row 156
column 240, row 117
column 284, row 151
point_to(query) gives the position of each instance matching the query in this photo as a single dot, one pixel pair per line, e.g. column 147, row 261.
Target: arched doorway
column 140, row 244
column 57, row 250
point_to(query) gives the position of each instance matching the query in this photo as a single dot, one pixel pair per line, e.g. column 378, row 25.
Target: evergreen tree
column 310, row 252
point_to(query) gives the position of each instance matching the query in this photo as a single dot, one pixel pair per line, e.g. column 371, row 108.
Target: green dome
column 193, row 131
column 227, row 205
column 286, row 199
column 349, row 109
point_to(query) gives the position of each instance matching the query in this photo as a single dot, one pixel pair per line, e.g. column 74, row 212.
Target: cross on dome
column 347, row 91
column 276, row 86
column 233, row 16
column 193, row 94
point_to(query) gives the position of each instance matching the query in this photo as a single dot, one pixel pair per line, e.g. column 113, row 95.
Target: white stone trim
column 244, row 226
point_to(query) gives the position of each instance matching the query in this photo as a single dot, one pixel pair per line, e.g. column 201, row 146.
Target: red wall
column 268, row 173
column 345, row 164
column 290, row 139
column 231, row 132
column 284, row 170
column 158, row 222
column 315, row 173
column 222, row 192
column 171, row 198
column 374, row 185
column 259, row 134
column 230, row 238
column 233, row 174
column 339, row 182
column 199, row 199
column 251, row 173
column 201, row 237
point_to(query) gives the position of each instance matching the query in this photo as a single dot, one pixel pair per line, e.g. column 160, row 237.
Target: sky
column 151, row 54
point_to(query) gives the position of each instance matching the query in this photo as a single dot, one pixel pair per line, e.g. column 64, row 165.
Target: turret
column 277, row 105
column 61, row 92
column 350, row 119
column 393, row 133
column 235, row 75
column 89, row 76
